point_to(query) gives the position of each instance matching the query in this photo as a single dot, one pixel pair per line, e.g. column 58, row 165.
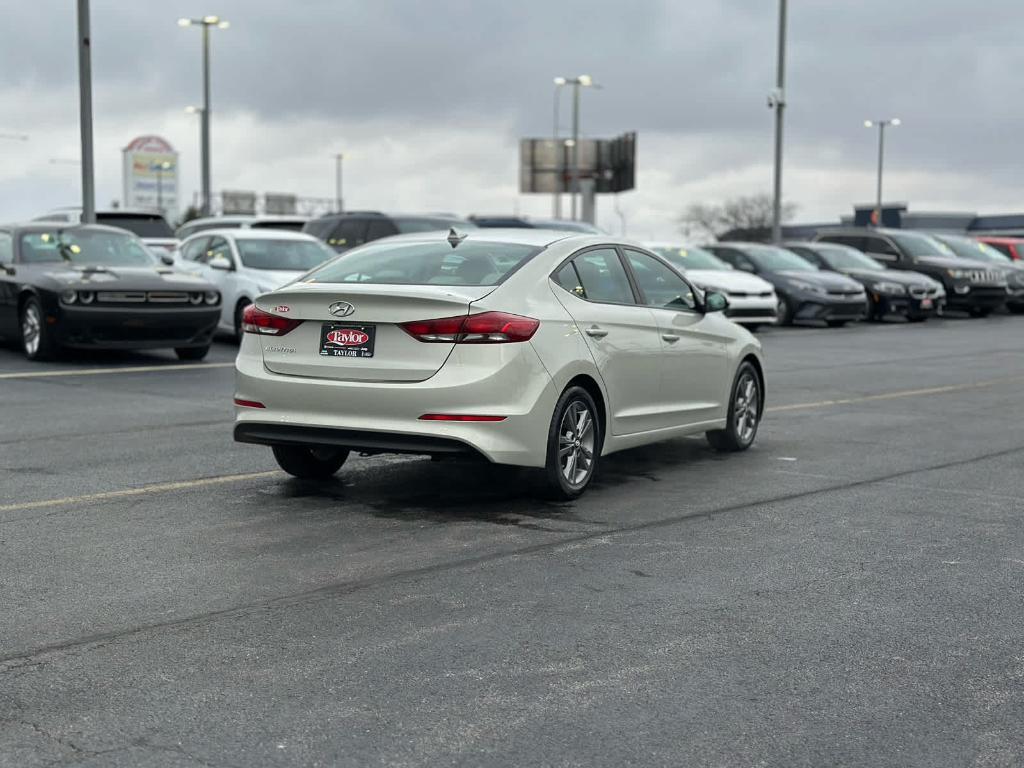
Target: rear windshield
column 287, row 225
column 143, row 226
column 412, row 224
column 288, row 255
column 426, row 263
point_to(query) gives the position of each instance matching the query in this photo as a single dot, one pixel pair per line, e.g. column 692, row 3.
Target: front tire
column 574, row 445
column 36, row 336
column 745, row 408
column 783, row 310
column 309, row 463
column 192, row 353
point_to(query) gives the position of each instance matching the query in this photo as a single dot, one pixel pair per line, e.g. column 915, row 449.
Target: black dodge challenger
column 86, row 286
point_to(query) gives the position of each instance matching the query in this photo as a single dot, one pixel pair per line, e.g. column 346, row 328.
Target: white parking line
column 892, row 395
column 145, row 490
column 105, row 371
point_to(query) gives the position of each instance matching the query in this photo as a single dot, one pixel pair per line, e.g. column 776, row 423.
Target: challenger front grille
column 142, row 297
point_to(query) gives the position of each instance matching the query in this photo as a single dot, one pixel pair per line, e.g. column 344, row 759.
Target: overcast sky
column 428, row 98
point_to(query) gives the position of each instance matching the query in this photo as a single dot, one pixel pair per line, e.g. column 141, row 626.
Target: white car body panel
column 242, row 284
column 652, row 388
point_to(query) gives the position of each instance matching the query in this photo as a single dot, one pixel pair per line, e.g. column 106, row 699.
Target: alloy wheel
column 746, row 407
column 576, row 441
column 31, row 329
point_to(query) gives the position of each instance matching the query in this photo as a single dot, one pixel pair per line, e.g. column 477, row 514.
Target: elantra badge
column 349, row 337
column 341, row 309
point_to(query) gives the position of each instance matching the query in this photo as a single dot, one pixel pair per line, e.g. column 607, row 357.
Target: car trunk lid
column 369, row 344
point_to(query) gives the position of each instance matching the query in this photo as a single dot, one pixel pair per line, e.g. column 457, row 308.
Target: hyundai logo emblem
column 341, row 309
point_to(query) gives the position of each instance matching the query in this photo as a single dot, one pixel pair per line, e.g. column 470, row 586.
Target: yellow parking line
column 891, row 395
column 145, row 490
column 103, row 371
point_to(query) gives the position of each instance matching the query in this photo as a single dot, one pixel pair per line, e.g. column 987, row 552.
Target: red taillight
column 459, row 417
column 255, row 320
column 485, row 328
column 249, row 403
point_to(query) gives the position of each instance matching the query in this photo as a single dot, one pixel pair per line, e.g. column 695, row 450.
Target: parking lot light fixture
column 894, row 122
column 580, row 81
column 206, row 22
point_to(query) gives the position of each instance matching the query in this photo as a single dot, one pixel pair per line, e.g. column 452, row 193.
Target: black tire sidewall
column 300, row 462
column 556, row 481
column 45, row 349
column 733, row 442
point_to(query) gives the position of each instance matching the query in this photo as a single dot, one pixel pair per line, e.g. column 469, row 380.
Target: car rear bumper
column 490, row 380
column 906, row 306
column 134, row 327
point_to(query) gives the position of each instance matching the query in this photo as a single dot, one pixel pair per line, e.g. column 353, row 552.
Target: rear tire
column 192, row 353
column 745, row 408
column 309, row 463
column 574, row 445
column 36, row 336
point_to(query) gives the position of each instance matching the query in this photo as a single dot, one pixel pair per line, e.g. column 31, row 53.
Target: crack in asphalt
column 17, row 660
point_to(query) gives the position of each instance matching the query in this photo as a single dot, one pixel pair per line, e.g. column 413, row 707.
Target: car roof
column 515, row 235
column 245, row 233
column 47, row 226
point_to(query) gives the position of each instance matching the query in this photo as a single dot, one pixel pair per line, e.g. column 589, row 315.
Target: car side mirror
column 220, row 261
column 715, row 302
column 745, row 267
column 167, row 259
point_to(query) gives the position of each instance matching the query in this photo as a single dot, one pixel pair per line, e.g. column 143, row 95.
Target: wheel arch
column 589, row 383
column 755, row 361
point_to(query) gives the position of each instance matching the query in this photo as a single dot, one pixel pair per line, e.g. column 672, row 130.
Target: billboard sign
column 149, row 170
column 546, row 167
column 237, row 202
column 277, row 204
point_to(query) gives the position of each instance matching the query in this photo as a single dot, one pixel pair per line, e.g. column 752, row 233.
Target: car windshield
column 921, row 245
column 426, row 263
column 772, row 259
column 685, row 257
column 845, row 257
column 142, row 225
column 968, row 248
column 413, row 224
column 85, row 247
column 289, row 255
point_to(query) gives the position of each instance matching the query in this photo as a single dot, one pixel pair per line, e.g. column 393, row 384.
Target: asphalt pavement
column 848, row 592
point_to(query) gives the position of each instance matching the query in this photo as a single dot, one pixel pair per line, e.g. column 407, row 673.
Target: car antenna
column 454, row 238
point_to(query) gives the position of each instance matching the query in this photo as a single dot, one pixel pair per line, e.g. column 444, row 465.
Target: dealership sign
column 150, row 175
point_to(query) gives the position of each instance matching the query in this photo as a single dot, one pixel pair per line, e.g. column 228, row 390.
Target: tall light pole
column 556, row 207
column 194, row 110
column 893, row 121
column 160, row 168
column 85, row 112
column 581, row 81
column 778, row 100
column 205, row 23
column 339, row 201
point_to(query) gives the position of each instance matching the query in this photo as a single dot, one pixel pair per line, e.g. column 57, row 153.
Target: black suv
column 971, row 286
column 342, row 231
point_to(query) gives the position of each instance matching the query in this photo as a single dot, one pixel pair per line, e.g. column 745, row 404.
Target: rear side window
column 427, row 263
column 380, row 228
column 319, row 227
column 143, row 226
column 602, row 276
column 567, row 278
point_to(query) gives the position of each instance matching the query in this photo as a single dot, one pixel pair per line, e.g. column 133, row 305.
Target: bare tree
column 748, row 212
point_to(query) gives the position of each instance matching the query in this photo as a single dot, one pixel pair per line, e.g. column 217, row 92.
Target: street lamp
column 580, row 81
column 556, row 208
column 205, row 23
column 339, row 203
column 777, row 101
column 160, row 168
column 894, row 122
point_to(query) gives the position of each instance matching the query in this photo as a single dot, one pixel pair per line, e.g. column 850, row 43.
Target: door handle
column 597, row 333
column 670, row 337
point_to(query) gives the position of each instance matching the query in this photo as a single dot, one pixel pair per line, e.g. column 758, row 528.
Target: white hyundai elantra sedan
column 524, row 347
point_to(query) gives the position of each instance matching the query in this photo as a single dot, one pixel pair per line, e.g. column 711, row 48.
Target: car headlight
column 1016, row 279
column 86, row 297
column 800, row 285
column 884, row 286
column 211, row 297
column 959, row 274
column 69, row 297
column 195, row 298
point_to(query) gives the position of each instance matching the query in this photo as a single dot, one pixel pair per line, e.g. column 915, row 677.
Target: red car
column 1011, row 246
